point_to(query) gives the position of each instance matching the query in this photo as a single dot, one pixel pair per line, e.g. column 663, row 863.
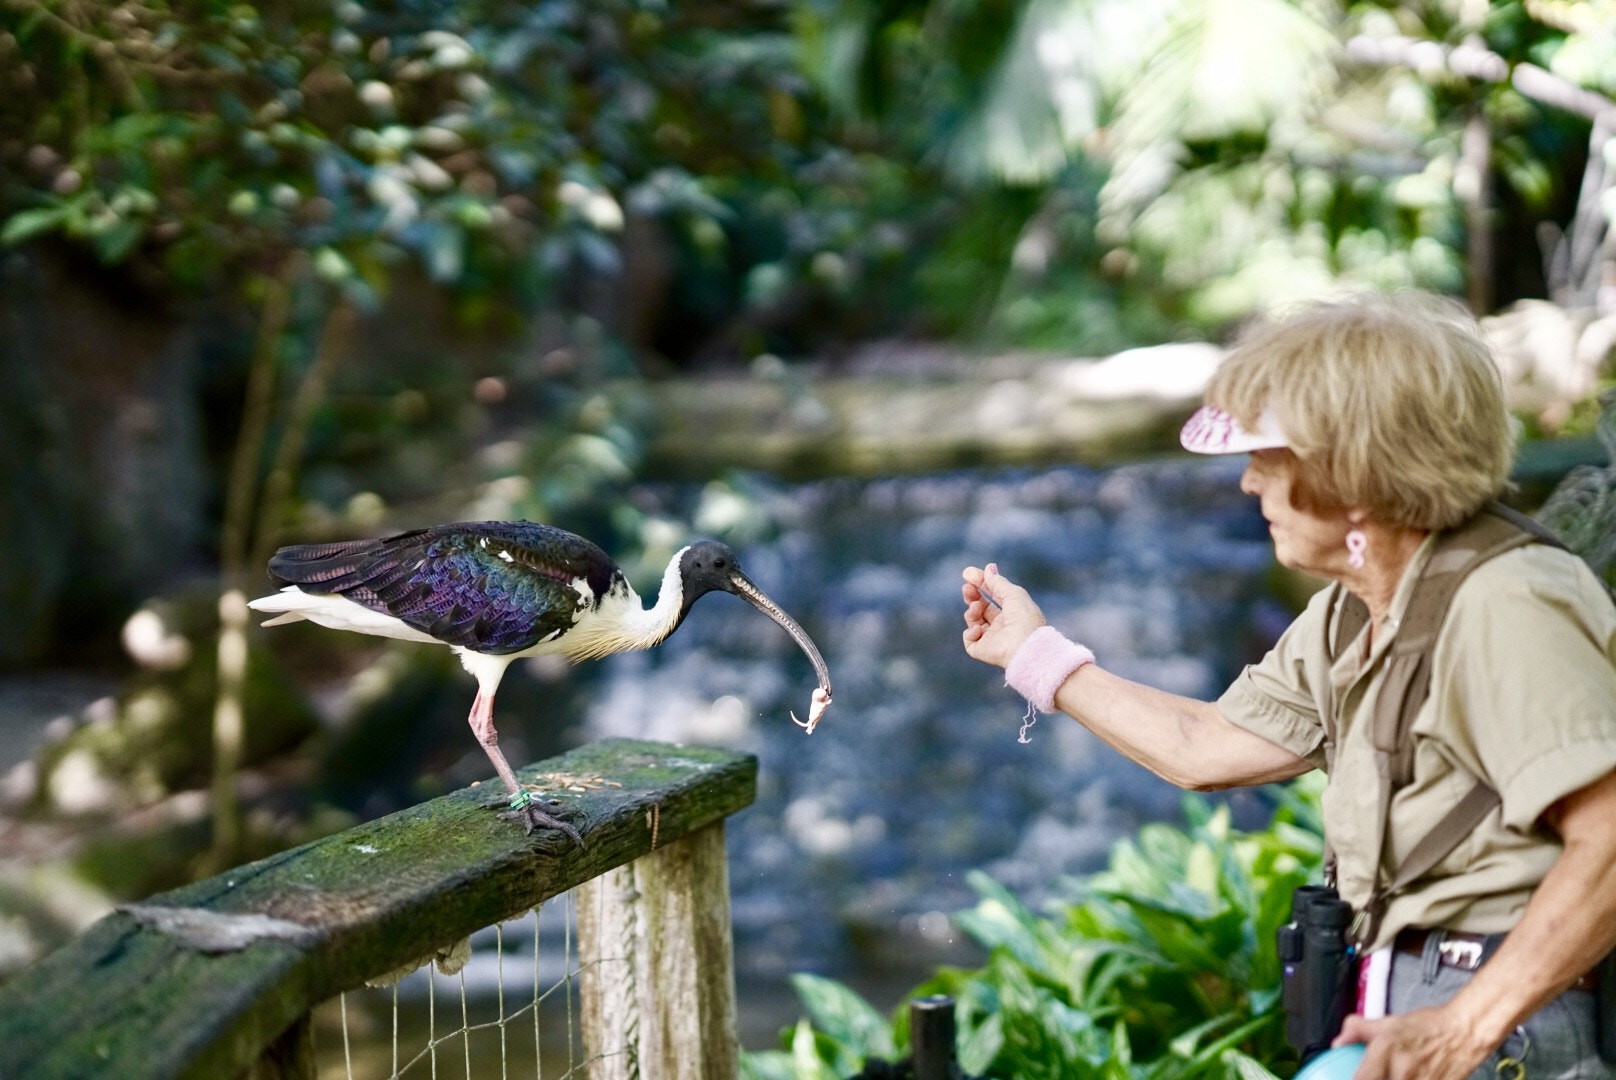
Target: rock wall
column 103, row 486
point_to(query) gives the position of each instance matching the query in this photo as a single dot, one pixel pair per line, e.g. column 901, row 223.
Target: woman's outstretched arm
column 1184, row 741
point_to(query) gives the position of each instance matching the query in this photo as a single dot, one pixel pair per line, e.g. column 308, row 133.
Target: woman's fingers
column 971, row 590
column 984, row 592
column 997, row 583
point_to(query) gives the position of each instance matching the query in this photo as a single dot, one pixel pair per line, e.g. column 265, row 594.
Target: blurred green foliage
column 507, row 151
column 1082, row 173
column 490, row 141
column 1162, row 966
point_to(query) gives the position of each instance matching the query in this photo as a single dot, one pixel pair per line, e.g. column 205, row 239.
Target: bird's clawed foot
column 535, row 813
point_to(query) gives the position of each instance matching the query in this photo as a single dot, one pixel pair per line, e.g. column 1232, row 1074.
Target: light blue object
column 1337, row 1064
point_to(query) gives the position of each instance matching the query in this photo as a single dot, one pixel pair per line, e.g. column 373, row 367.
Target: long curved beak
column 742, row 586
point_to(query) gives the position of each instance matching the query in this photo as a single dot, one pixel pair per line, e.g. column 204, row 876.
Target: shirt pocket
column 1438, row 784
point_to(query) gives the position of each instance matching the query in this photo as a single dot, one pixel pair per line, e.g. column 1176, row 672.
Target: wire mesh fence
column 502, row 1006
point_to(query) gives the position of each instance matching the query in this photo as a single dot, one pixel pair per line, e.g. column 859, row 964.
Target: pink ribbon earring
column 1357, row 544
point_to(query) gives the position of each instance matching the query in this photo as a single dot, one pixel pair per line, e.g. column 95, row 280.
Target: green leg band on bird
column 521, row 800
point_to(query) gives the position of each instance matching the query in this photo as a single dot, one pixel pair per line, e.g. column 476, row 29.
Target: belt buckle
column 1460, row 954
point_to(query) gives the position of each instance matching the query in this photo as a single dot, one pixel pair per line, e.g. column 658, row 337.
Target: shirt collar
column 1412, row 573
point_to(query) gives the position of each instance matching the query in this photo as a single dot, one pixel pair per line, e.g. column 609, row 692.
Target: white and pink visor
column 1213, row 431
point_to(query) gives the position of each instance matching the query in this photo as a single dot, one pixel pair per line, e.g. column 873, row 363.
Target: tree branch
column 1473, row 61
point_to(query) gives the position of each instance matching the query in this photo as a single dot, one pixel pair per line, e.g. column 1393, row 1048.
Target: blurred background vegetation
column 324, row 238
column 283, row 270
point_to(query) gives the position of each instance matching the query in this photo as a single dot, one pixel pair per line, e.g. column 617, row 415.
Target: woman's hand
column 1426, row 1044
column 993, row 634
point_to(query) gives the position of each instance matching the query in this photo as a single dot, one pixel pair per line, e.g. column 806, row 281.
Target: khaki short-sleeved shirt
column 1523, row 696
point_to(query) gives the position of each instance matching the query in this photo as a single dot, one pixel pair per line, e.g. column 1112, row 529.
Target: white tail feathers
column 336, row 612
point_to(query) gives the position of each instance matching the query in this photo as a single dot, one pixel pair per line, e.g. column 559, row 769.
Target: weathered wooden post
column 657, row 965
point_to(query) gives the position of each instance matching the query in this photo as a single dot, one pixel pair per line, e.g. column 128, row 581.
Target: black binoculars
column 1317, row 968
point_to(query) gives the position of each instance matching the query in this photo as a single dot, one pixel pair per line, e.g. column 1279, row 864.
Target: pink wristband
column 1044, row 661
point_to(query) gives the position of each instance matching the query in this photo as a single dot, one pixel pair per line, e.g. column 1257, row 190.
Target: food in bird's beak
column 816, row 709
column 821, row 697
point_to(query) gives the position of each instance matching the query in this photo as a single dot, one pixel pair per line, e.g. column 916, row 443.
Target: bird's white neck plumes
column 623, row 623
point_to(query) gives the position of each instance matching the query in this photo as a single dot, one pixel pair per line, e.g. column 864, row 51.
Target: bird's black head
column 707, row 565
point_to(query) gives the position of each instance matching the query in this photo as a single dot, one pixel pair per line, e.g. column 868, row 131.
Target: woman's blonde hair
column 1393, row 404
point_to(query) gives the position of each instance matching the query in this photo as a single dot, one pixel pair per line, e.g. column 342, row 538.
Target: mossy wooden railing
column 215, row 980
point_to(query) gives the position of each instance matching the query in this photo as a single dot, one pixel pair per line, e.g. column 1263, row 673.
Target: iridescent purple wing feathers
column 493, row 587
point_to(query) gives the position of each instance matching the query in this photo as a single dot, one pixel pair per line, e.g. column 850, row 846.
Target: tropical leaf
column 768, row 1065
column 808, row 1053
column 842, row 1015
column 983, row 1043
column 1225, row 68
column 27, row 224
column 1242, row 1067
column 1042, row 99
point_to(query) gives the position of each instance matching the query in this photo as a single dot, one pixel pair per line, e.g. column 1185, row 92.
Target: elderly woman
column 1375, row 426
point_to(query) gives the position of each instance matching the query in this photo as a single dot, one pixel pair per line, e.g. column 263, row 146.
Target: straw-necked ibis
column 496, row 591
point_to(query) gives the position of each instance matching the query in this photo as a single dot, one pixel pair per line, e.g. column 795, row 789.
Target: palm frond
column 1223, row 69
column 1050, row 89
